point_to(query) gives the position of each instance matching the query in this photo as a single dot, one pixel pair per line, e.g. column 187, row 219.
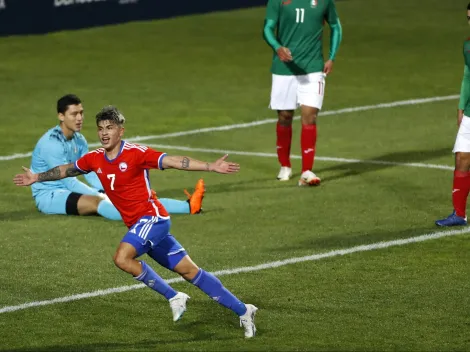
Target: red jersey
column 125, row 179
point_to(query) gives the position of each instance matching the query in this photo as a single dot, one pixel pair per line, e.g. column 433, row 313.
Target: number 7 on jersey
column 112, row 177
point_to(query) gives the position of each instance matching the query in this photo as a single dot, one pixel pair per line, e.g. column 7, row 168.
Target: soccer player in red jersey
column 123, row 169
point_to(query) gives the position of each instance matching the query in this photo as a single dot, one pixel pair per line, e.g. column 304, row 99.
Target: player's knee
column 462, row 161
column 285, row 117
column 88, row 205
column 120, row 260
column 310, row 118
column 187, row 269
column 191, row 272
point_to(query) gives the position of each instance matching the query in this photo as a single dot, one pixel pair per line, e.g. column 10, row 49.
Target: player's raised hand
column 328, row 67
column 26, row 179
column 284, row 54
column 223, row 167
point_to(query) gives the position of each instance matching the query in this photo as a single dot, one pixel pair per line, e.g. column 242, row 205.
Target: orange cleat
column 195, row 199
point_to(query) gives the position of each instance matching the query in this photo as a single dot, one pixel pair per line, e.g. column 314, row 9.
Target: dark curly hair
column 110, row 113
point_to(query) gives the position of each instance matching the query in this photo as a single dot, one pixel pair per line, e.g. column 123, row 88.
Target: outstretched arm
column 186, row 163
column 56, row 173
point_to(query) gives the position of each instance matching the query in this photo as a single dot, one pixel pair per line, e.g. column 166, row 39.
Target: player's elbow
column 264, row 34
column 170, row 162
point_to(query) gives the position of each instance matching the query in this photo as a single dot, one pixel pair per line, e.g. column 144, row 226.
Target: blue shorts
column 151, row 235
column 53, row 202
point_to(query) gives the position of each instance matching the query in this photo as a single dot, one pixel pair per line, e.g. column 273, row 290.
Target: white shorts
column 462, row 141
column 288, row 92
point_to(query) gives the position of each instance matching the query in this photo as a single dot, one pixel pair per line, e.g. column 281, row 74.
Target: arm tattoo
column 208, row 168
column 185, row 163
column 50, row 175
column 72, row 172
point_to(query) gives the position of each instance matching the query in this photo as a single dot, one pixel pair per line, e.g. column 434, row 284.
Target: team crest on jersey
column 123, row 166
column 314, row 3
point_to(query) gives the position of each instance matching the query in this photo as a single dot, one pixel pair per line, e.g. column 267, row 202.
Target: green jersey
column 299, row 27
column 465, row 90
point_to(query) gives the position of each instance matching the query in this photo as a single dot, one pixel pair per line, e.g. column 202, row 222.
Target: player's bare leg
column 212, row 287
column 92, row 205
column 308, row 143
column 462, row 161
column 88, row 205
column 124, row 259
column 186, row 268
column 283, row 143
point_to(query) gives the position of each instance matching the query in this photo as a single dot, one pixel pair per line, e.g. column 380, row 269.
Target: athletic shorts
column 59, row 202
column 151, row 235
column 462, row 141
column 289, row 92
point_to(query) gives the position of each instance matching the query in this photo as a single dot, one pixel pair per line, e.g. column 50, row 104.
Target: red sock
column 308, row 141
column 284, row 139
column 460, row 192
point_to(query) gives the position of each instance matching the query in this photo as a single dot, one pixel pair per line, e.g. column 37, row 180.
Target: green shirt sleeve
column 336, row 29
column 270, row 24
column 465, row 88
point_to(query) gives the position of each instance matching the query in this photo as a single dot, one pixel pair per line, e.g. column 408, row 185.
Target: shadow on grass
column 146, row 345
column 359, row 168
column 338, row 170
column 352, row 239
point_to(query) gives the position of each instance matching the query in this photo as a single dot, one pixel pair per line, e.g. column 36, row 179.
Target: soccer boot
column 308, row 178
column 195, row 199
column 452, row 220
column 284, row 174
column 247, row 321
column 178, row 305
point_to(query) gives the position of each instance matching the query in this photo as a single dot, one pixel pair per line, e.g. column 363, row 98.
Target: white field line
column 262, row 122
column 248, row 269
column 163, row 147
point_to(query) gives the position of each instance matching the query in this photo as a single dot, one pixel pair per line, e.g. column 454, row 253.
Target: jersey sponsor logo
column 314, row 3
column 99, row 171
column 286, row 2
column 123, row 166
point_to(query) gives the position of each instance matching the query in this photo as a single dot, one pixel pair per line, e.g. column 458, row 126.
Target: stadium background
column 199, row 84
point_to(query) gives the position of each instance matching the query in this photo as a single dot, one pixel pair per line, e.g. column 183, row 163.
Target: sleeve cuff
column 78, row 168
column 160, row 161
